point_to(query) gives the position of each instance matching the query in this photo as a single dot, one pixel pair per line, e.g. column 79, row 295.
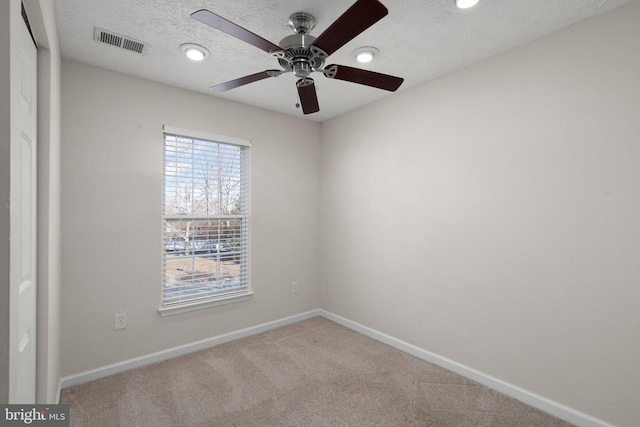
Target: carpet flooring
column 311, row 373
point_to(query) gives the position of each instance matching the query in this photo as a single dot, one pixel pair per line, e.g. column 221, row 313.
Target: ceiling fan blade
column 218, row 22
column 360, row 16
column 223, row 87
column 308, row 96
column 363, row 77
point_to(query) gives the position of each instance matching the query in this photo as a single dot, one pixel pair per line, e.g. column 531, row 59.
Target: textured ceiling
column 418, row 40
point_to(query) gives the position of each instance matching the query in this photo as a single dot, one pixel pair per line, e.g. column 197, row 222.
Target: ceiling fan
column 304, row 54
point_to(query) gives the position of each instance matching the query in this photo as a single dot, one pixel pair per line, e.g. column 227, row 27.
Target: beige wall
column 111, row 214
column 492, row 216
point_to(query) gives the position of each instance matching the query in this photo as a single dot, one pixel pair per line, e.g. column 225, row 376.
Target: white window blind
column 205, row 233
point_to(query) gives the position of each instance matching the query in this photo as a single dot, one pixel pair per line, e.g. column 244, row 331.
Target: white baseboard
column 170, row 353
column 59, row 392
column 554, row 408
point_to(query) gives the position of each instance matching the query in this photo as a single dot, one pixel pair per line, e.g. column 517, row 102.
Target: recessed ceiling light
column 194, row 52
column 466, row 4
column 365, row 54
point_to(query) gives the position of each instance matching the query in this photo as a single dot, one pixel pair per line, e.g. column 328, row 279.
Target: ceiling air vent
column 118, row 40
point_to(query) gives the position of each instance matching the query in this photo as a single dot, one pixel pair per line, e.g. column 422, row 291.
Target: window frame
column 211, row 300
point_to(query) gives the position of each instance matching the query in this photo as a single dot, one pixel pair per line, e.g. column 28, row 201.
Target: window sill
column 200, row 305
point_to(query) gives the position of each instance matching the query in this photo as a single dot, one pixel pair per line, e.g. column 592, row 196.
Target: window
column 205, row 255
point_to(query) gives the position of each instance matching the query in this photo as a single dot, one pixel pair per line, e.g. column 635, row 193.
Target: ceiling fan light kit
column 303, row 54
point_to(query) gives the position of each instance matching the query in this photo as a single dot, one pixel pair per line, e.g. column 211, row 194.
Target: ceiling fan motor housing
column 298, row 54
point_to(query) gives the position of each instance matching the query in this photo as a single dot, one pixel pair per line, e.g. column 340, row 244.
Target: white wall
column 111, row 214
column 492, row 216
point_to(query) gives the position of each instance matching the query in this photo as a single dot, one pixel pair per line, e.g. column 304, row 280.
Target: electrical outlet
column 295, row 287
column 120, row 321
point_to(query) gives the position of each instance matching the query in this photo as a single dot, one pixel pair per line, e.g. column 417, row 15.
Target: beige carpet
column 312, row 373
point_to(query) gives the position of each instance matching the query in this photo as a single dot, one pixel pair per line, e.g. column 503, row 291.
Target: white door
column 27, row 220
